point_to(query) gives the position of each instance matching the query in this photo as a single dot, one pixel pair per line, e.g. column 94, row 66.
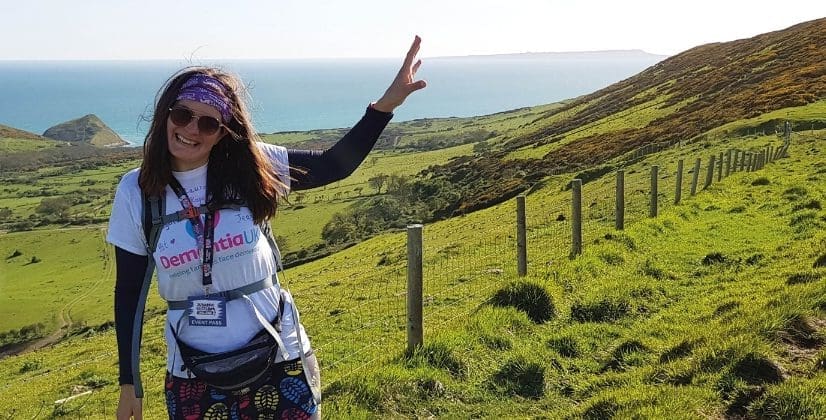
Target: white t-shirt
column 242, row 255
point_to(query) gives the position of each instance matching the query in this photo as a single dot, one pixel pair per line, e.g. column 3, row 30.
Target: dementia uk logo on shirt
column 235, row 236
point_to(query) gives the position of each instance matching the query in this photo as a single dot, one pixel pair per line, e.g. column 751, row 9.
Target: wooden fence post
column 710, row 173
column 415, row 335
column 654, row 173
column 678, row 193
column 576, row 217
column 619, row 210
column 728, row 163
column 695, row 176
column 748, row 161
column 738, row 160
column 521, row 242
column 720, row 167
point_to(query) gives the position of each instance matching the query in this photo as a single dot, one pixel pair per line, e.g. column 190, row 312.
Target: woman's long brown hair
column 237, row 171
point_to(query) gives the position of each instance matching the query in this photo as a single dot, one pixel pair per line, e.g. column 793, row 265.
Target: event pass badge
column 207, row 311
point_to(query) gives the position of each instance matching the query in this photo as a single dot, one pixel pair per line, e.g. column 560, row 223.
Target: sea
column 308, row 94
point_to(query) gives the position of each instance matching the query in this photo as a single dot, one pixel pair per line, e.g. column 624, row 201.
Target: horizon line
column 523, row 53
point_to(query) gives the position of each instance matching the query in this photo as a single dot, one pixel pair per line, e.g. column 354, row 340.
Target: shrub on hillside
column 565, row 346
column 16, row 253
column 652, row 269
column 521, row 377
column 787, row 402
column 754, row 259
column 629, row 353
column 820, row 261
column 56, row 206
column 804, row 221
column 94, row 380
column 600, row 410
column 799, row 278
column 439, row 356
column 31, row 365
column 495, row 342
column 623, row 239
column 795, row 193
column 527, row 297
column 679, row 351
column 810, row 205
column 761, row 181
column 714, row 258
column 612, row 258
column 726, row 308
column 604, row 310
column 24, row 334
column 745, row 380
column 756, row 369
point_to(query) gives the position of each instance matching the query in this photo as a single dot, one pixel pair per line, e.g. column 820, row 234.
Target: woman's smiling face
column 188, row 146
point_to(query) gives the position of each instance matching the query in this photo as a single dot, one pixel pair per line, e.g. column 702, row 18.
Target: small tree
column 377, row 182
column 339, row 230
column 56, row 206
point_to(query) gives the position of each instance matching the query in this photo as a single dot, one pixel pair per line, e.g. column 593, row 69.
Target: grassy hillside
column 678, row 99
column 715, row 307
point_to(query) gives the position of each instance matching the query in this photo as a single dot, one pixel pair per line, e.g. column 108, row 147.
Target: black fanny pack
column 234, row 369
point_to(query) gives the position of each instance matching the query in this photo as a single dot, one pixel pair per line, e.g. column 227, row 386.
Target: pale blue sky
column 178, row 29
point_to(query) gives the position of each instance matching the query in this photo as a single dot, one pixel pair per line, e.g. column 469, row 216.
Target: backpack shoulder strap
column 266, row 229
column 153, row 209
column 153, row 221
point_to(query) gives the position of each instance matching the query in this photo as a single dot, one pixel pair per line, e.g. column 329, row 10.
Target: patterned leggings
column 282, row 393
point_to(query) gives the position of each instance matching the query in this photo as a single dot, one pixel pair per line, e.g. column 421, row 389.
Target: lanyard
column 204, row 231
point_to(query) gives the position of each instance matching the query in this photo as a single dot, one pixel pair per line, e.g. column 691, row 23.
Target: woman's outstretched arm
column 310, row 168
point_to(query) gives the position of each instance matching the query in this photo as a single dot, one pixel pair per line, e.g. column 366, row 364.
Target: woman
column 202, row 150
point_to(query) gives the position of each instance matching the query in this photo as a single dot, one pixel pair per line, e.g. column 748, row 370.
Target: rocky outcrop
column 87, row 129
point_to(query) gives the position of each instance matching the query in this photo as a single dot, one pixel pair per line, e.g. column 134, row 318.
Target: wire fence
column 360, row 319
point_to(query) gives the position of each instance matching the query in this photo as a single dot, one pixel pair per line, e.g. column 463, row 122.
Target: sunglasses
column 206, row 125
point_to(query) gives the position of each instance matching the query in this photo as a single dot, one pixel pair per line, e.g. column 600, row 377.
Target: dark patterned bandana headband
column 207, row 90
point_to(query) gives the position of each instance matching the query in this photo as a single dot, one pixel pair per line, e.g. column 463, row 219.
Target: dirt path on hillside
column 64, row 319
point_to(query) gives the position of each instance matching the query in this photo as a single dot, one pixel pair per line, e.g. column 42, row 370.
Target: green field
column 12, row 145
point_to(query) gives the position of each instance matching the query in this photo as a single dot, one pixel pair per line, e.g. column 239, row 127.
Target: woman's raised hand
column 404, row 84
